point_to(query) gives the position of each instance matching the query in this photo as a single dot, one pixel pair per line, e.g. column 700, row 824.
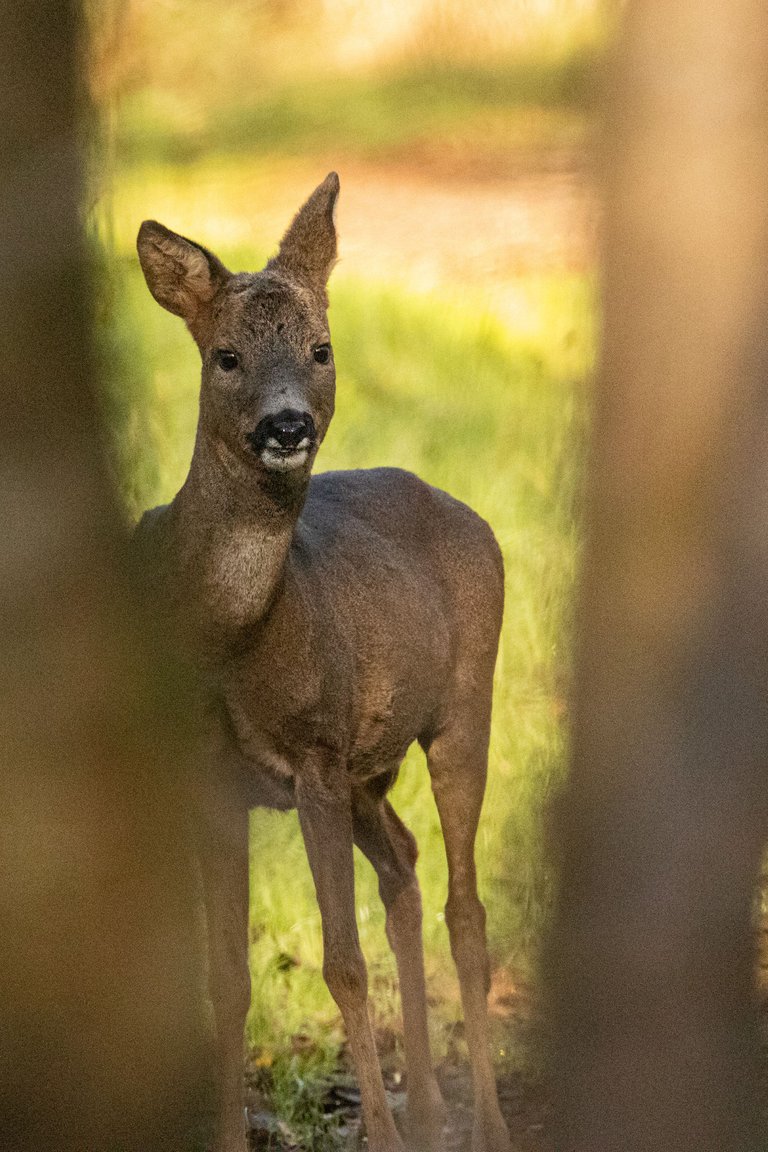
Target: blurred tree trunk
column 663, row 823
column 103, row 1042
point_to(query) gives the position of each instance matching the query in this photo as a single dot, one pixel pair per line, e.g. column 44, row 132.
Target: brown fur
column 335, row 621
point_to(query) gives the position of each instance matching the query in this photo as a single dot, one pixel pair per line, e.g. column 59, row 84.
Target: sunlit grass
column 218, row 118
column 409, row 109
column 498, row 421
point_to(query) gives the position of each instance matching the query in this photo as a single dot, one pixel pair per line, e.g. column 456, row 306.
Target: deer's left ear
column 308, row 249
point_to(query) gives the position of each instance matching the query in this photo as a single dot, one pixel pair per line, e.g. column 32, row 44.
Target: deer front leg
column 224, row 867
column 325, row 814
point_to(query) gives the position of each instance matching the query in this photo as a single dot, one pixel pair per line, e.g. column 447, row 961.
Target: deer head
column 268, row 376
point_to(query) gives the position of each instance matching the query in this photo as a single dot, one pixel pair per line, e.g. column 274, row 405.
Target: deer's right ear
column 181, row 275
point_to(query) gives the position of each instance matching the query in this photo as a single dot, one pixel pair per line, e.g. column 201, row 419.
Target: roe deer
column 335, row 621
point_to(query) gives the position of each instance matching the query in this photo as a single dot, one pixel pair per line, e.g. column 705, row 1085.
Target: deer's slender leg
column 458, row 763
column 392, row 851
column 223, row 848
column 325, row 814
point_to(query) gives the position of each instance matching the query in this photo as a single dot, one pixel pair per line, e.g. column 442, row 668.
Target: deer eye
column 226, row 359
column 322, row 353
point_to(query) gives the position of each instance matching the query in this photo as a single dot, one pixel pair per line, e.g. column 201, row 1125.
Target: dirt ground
column 487, row 240
column 404, row 223
column 525, row 1104
column 524, row 1096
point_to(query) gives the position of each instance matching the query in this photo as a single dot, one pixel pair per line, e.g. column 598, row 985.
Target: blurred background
column 463, row 324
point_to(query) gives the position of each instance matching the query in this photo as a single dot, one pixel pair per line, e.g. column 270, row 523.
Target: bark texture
column 663, row 823
column 103, row 1042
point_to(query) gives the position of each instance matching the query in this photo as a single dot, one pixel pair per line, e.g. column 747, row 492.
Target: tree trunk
column 663, row 822
column 103, row 1041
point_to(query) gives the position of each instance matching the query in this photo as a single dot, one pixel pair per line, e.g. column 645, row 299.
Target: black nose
column 289, row 431
column 286, row 430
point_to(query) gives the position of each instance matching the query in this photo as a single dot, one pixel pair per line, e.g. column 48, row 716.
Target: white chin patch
column 277, row 461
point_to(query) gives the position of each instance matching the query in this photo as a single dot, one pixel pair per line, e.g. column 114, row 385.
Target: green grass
column 499, row 422
column 370, row 116
column 206, row 122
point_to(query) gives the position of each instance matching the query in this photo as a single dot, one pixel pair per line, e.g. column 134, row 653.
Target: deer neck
column 235, row 525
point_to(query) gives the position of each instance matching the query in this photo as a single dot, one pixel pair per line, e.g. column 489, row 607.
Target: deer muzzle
column 283, row 441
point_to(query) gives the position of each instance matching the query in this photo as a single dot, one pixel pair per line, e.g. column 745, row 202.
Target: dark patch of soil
column 525, row 1105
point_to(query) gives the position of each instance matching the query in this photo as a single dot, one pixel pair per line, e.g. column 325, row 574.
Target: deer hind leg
column 457, row 759
column 325, row 814
column 391, row 849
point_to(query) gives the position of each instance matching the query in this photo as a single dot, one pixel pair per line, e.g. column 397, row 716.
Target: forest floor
column 460, row 231
column 334, row 1121
column 525, row 1105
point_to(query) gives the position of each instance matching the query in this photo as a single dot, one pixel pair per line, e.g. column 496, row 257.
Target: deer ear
column 308, row 249
column 181, row 275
